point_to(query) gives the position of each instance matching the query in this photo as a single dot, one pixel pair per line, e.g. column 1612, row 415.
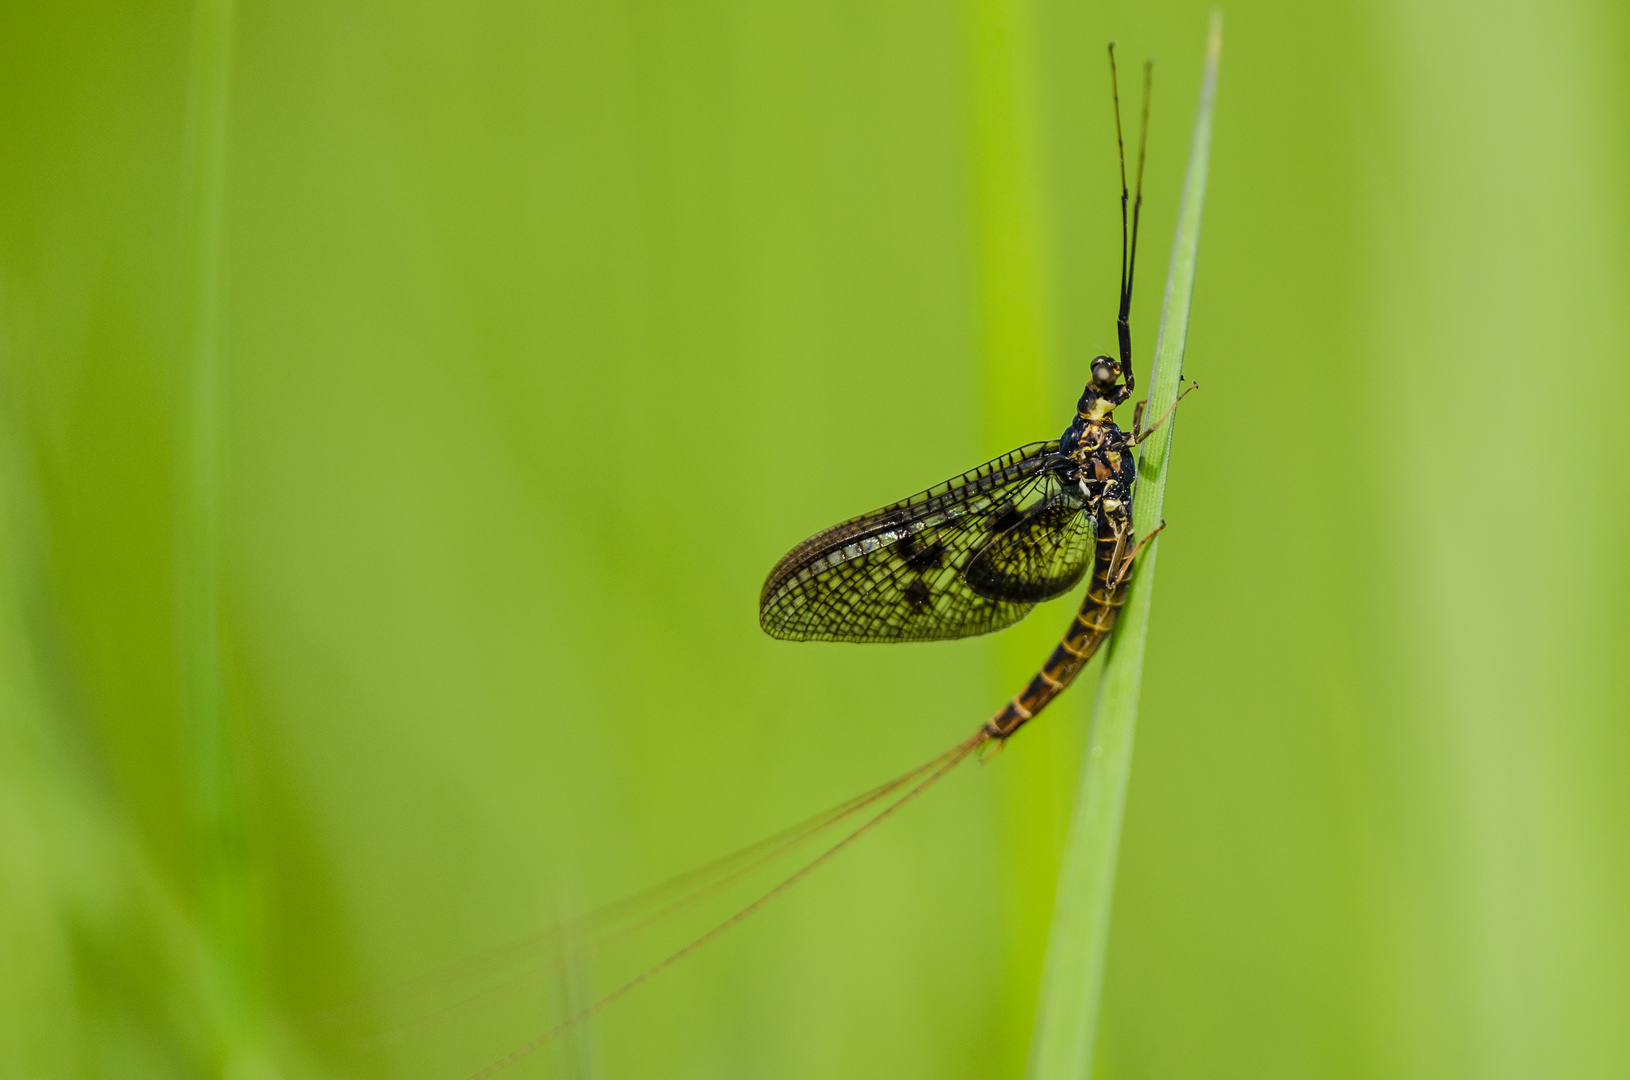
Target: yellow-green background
column 549, row 326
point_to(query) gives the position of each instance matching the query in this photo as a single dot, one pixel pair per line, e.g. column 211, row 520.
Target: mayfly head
column 1106, row 373
column 1104, row 391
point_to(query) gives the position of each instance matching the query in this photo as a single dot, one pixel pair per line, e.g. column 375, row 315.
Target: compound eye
column 1104, row 373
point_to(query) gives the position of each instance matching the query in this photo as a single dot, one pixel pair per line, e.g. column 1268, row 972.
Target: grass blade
column 215, row 794
column 1072, row 981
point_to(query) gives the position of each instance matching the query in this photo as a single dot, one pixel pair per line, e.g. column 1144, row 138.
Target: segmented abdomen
column 1111, row 570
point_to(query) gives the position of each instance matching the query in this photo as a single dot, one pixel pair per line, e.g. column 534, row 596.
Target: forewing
column 899, row 573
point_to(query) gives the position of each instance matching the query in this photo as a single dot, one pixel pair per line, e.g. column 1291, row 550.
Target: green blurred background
column 547, row 327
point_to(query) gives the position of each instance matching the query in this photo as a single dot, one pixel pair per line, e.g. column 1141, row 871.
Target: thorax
column 1100, row 455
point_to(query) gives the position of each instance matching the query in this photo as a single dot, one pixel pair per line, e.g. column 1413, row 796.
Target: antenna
column 1129, row 236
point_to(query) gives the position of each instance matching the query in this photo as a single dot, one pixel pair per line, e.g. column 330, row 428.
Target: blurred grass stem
column 1072, row 980
column 215, row 798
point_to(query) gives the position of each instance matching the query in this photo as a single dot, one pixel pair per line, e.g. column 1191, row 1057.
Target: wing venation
column 965, row 557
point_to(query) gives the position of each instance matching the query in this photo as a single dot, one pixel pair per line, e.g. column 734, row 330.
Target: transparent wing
column 965, row 557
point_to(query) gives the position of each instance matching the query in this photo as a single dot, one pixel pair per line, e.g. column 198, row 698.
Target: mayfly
column 969, row 556
column 976, row 553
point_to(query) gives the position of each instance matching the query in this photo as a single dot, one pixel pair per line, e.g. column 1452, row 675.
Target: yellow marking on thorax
column 1100, row 410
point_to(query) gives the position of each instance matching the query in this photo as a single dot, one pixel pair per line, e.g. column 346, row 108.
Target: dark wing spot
column 917, row 594
column 919, row 556
column 1003, row 518
column 928, row 556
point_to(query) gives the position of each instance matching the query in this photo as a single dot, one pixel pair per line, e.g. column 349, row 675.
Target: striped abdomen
column 1111, row 570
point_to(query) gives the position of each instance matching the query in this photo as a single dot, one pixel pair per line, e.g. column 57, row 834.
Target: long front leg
column 1138, row 434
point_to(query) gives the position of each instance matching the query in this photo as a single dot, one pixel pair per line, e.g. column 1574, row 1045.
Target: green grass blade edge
column 1072, row 979
column 216, row 792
